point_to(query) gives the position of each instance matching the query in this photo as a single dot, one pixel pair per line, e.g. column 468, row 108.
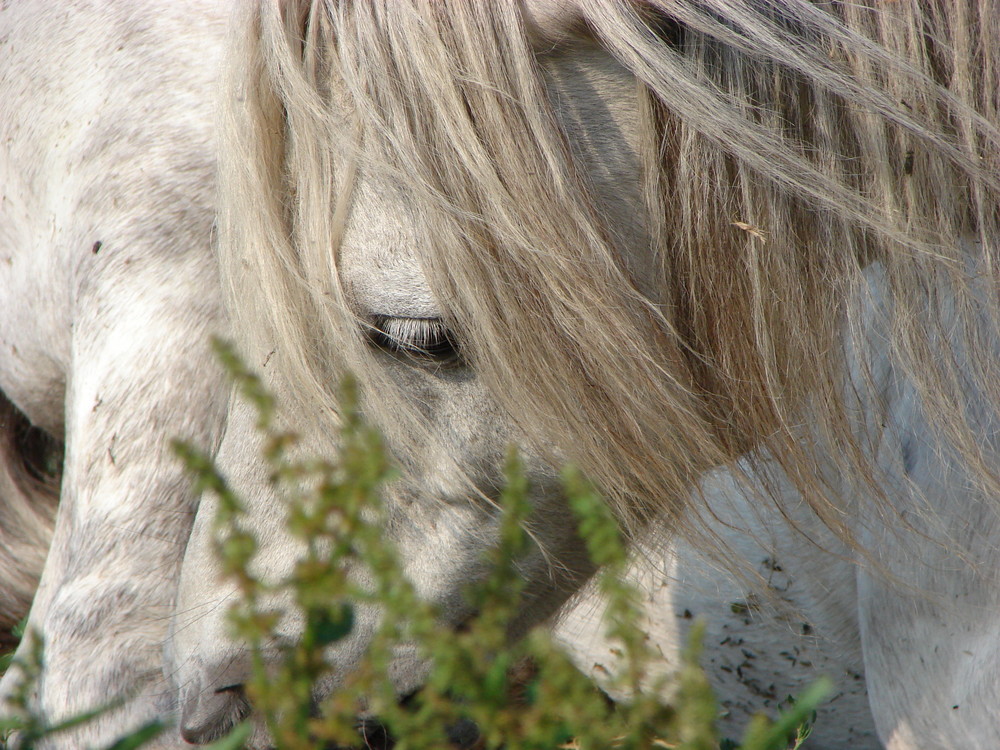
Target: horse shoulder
column 927, row 612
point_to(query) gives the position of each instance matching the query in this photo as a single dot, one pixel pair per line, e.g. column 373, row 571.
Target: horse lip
column 210, row 714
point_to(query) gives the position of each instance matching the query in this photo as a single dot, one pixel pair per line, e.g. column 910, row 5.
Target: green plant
column 523, row 695
column 475, row 673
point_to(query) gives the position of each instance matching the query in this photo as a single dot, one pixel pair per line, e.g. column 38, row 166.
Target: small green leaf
column 234, row 740
column 332, row 626
column 83, row 718
column 763, row 735
column 11, row 724
column 139, row 737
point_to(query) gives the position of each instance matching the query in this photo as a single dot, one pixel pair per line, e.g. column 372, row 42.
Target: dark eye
column 426, row 339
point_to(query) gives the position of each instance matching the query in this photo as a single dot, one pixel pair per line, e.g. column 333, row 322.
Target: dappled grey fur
column 662, row 240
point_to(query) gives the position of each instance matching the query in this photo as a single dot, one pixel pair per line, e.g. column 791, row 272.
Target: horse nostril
column 209, row 715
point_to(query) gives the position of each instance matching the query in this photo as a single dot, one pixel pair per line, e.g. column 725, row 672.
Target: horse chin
column 463, row 735
column 209, row 715
column 374, row 735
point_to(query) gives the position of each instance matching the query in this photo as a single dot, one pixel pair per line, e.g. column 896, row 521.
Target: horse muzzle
column 207, row 716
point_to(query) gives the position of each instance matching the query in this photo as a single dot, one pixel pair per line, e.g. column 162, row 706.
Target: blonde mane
column 788, row 149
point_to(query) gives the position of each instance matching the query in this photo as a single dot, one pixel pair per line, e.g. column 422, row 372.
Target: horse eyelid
column 427, row 339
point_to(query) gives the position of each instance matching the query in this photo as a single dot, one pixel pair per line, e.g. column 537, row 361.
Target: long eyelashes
column 425, row 339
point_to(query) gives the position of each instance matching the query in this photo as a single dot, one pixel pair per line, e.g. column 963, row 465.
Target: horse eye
column 426, row 339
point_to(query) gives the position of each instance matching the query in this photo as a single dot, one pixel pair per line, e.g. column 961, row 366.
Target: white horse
column 647, row 237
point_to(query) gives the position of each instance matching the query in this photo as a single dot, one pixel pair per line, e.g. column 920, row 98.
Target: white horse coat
column 109, row 290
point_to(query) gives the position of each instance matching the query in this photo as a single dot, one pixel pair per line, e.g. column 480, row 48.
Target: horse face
column 441, row 529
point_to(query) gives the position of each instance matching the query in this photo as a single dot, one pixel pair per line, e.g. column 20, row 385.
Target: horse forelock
column 786, row 148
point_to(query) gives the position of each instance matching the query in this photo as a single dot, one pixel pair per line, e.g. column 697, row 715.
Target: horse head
column 563, row 227
column 382, row 287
